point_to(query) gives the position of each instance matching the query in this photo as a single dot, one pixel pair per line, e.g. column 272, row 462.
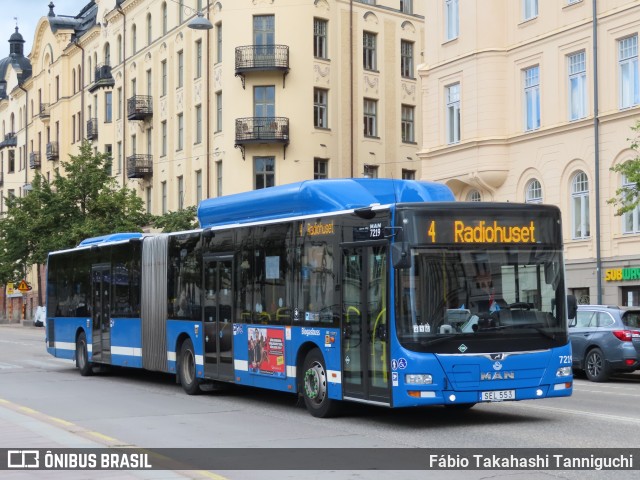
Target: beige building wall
column 78, row 73
column 498, row 157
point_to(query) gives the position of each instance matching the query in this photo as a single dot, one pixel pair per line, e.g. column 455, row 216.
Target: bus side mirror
column 572, row 307
column 400, row 255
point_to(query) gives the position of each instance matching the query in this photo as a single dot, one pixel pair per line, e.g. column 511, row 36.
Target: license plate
column 498, row 395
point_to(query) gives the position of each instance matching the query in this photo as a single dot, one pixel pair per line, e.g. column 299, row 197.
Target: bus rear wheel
column 187, row 369
column 82, row 356
column 314, row 387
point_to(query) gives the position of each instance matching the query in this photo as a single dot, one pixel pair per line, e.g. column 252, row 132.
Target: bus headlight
column 563, row 372
column 418, row 379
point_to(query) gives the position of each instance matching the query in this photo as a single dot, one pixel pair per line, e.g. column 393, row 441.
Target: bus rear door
column 365, row 329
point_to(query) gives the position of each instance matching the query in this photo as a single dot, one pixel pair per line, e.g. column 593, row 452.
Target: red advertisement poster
column 266, row 351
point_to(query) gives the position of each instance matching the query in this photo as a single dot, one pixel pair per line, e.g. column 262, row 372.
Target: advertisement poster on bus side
column 266, row 351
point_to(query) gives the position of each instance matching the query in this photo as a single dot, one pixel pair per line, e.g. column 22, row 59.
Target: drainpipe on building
column 124, row 90
column 26, row 134
column 351, row 82
column 596, row 135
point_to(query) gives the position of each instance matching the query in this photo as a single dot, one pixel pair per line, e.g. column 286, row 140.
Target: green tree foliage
column 85, row 202
column 628, row 196
column 180, row 220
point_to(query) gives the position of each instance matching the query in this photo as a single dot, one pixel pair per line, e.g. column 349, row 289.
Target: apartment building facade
column 277, row 91
column 533, row 101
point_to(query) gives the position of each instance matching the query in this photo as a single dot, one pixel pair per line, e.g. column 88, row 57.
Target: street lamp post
column 199, row 22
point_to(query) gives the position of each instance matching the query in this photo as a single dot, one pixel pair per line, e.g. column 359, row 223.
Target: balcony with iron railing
column 139, row 107
column 34, row 160
column 92, row 129
column 261, row 130
column 102, row 78
column 139, row 166
column 52, row 151
column 44, row 111
column 253, row 58
column 10, row 140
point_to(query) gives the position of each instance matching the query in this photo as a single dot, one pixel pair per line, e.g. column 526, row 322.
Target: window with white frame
column 320, row 168
column 265, row 172
column 628, row 61
column 529, row 9
column 163, row 138
column 180, row 192
column 163, row 81
column 533, row 192
column 198, row 186
column 452, row 19
column 406, row 59
column 180, row 69
column 163, row 190
column 577, row 85
column 370, row 118
column 218, row 111
column 474, row 196
column 370, row 171
column 532, row 98
column 408, row 174
column 580, row 206
column 219, row 178
column 198, row 58
column 369, row 51
column 453, row 113
column 320, row 105
column 198, row 135
column 407, row 124
column 320, row 38
column 630, row 220
column 180, row 145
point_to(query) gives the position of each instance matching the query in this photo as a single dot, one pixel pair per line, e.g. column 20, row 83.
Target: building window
column 180, row 69
column 407, row 124
column 148, row 197
column 163, row 188
column 474, row 196
column 320, row 168
column 149, row 83
column 628, row 60
column 134, row 39
column 180, row 131
column 163, row 68
column 180, row 192
column 219, row 178
column 320, row 38
column 370, row 171
column 532, row 98
column 198, row 58
column 264, row 101
column 163, row 138
column 369, row 51
column 406, row 59
column 218, row 111
column 198, row 186
column 453, row 113
column 408, row 174
column 164, row 18
column 219, row 42
column 119, row 157
column 529, row 9
column 452, row 18
column 577, row 86
column 11, row 161
column 320, row 105
column 108, row 107
column 534, row 192
column 198, row 124
column 108, row 149
column 580, row 206
column 149, row 30
column 630, row 220
column 120, row 103
column 370, row 118
column 73, row 129
column 180, row 11
column 406, row 6
column 264, row 172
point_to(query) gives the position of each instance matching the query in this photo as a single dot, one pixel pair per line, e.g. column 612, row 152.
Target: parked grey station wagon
column 605, row 340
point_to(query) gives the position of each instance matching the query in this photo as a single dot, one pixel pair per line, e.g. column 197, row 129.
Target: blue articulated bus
column 381, row 291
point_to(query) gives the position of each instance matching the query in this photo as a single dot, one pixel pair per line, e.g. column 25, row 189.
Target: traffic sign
column 24, row 286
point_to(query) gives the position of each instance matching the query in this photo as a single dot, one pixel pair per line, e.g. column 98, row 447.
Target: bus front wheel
column 82, row 356
column 314, row 387
column 190, row 383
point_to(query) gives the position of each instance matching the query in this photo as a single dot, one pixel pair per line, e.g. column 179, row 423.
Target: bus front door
column 365, row 330
column 101, row 313
column 218, row 315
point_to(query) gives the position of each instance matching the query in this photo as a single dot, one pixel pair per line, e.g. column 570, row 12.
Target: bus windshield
column 496, row 293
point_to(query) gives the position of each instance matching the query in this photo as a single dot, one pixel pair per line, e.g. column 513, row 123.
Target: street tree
column 177, row 221
column 628, row 195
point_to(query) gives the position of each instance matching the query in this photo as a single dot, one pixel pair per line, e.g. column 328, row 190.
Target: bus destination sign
column 465, row 231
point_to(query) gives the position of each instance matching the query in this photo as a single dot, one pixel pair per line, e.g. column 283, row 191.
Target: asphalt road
column 45, row 403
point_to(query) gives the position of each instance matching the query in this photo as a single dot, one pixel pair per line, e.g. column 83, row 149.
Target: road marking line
column 580, row 413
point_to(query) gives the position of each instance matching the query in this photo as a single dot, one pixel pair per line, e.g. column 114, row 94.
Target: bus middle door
column 365, row 354
column 101, row 313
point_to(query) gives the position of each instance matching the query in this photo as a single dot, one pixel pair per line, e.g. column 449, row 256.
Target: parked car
column 605, row 340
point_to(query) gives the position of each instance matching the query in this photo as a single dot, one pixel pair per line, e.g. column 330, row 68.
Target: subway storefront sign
column 621, row 274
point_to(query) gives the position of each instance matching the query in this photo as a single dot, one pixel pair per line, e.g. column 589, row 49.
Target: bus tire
column 315, row 386
column 82, row 356
column 187, row 369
